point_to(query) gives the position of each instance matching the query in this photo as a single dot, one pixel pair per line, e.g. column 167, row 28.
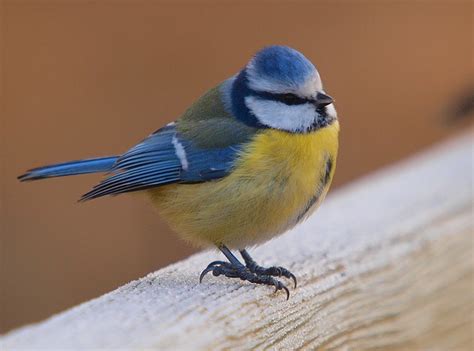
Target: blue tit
column 250, row 159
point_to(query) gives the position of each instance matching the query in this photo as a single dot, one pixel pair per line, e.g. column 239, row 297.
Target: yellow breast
column 279, row 179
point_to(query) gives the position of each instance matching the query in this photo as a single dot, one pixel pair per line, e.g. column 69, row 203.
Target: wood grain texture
column 386, row 263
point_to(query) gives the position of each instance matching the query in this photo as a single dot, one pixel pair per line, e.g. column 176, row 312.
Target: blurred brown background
column 91, row 78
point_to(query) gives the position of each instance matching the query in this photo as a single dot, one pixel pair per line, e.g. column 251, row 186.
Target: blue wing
column 164, row 157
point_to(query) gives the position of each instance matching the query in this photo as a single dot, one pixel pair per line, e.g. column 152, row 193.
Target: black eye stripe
column 288, row 99
column 291, row 99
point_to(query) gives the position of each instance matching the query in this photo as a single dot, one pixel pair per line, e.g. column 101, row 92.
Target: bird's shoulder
column 209, row 122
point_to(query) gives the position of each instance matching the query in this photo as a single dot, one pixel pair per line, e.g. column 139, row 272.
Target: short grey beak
column 323, row 100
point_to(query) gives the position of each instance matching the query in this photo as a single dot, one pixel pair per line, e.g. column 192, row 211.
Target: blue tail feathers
column 92, row 165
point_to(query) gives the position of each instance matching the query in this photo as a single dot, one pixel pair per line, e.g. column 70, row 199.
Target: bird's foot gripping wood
column 251, row 272
column 231, row 271
column 274, row 271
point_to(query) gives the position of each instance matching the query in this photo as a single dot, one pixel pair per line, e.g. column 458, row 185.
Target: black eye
column 291, row 99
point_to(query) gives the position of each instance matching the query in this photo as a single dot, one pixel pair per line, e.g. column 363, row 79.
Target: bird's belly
column 278, row 181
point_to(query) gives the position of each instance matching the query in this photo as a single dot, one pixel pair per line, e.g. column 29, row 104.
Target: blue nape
column 240, row 90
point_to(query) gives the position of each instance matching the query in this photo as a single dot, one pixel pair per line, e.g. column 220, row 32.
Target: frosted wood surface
column 387, row 262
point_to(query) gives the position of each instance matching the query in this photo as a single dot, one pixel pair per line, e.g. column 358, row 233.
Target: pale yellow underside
column 266, row 193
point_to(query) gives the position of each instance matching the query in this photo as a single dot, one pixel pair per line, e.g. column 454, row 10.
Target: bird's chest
column 291, row 173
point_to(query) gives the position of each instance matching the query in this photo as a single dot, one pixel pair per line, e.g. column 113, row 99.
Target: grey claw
column 204, row 272
column 287, row 292
column 283, row 287
column 215, row 263
column 292, row 276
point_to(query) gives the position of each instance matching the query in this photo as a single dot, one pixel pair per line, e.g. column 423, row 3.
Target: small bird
column 250, row 159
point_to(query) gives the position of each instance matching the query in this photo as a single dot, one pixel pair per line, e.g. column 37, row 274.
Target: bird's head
column 281, row 89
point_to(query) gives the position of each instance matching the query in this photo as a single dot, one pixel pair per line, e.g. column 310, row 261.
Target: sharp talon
column 292, row 276
column 210, row 267
column 215, row 263
column 287, row 274
column 280, row 286
column 204, row 272
column 287, row 292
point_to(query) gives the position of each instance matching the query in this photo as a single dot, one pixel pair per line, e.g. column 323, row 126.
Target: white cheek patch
column 278, row 115
column 180, row 153
column 331, row 111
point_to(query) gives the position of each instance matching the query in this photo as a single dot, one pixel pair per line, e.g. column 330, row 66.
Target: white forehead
column 307, row 88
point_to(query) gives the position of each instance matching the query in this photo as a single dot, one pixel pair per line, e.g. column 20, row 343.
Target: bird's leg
column 235, row 269
column 271, row 271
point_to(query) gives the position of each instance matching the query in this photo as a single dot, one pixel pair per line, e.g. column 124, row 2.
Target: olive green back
column 209, row 124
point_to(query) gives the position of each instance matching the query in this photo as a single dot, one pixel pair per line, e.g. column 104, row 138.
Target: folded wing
column 165, row 157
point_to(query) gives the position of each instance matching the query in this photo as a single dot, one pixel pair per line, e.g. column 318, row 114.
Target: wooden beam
column 387, row 262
